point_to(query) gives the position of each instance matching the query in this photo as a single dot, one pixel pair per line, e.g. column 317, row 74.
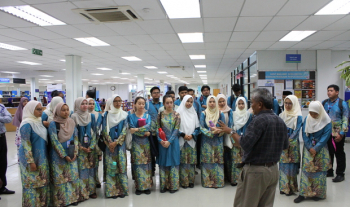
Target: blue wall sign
column 293, row 58
column 289, row 75
column 4, row 80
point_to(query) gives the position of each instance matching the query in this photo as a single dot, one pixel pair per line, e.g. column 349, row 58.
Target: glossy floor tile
column 337, row 193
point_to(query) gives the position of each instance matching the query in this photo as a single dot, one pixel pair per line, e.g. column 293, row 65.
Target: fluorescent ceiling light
column 63, row 60
column 335, row 7
column 10, row 47
column 162, row 72
column 124, row 78
column 203, row 75
column 125, row 73
column 43, row 79
column 31, row 14
column 63, row 69
column 151, row 67
column 200, row 66
column 297, row 35
column 29, row 63
column 92, row 41
column 191, row 37
column 197, row 57
column 104, row 68
column 174, row 77
column 85, row 79
column 202, row 71
column 170, row 75
column 94, row 80
column 177, row 9
column 47, row 76
column 204, row 78
column 10, row 72
column 131, row 58
column 96, row 74
column 115, row 77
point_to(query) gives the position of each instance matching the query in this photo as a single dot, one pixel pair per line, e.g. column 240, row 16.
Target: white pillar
column 85, row 87
column 140, row 82
column 74, row 87
column 18, row 90
column 323, row 79
column 33, row 85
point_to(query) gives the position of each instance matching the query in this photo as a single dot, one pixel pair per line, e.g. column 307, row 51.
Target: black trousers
column 3, row 159
column 154, row 150
column 339, row 154
column 199, row 145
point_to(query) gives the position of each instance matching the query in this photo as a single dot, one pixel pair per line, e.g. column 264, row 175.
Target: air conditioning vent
column 175, row 67
column 110, row 14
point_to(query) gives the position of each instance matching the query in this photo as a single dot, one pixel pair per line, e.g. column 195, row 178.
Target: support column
column 73, row 79
column 18, row 90
column 141, row 83
column 85, row 87
column 161, row 86
column 33, row 86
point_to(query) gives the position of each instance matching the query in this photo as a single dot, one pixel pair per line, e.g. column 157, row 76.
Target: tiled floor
column 337, row 194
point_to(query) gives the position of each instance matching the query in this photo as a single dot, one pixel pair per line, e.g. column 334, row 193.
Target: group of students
column 59, row 156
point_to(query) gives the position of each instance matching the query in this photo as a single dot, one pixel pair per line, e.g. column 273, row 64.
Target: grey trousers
column 256, row 186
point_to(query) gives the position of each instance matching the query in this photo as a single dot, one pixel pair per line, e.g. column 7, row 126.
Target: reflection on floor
column 337, row 193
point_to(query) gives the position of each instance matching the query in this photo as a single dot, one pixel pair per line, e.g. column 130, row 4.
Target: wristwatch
column 233, row 131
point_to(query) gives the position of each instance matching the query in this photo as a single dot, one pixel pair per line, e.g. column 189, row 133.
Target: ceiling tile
column 244, row 36
column 282, row 45
column 219, row 24
column 115, row 40
column 302, row 7
column 271, row 36
column 262, row 8
column 177, row 46
column 344, row 36
column 216, row 45
column 45, row 43
column 305, row 45
column 96, row 30
column 9, row 20
column 150, row 46
column 69, row 42
column 328, row 44
column 318, row 22
column 187, row 25
column 140, row 39
column 323, row 35
column 260, row 45
column 251, row 23
column 93, row 4
column 224, row 8
column 41, row 32
column 155, row 10
column 11, row 3
column 279, row 23
column 156, row 27
column 238, row 45
column 17, row 34
column 68, row 31
column 342, row 24
column 198, row 46
column 127, row 28
column 166, row 38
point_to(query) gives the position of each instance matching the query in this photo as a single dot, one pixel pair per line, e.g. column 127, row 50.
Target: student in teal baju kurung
column 48, row 115
column 140, row 149
column 114, row 132
column 169, row 150
column 33, row 158
column 98, row 152
column 65, row 186
column 212, row 146
column 316, row 161
column 85, row 123
column 290, row 158
column 189, row 130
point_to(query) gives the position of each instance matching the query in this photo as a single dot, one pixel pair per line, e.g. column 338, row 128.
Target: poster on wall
column 289, row 84
column 279, row 88
column 266, row 82
column 347, row 99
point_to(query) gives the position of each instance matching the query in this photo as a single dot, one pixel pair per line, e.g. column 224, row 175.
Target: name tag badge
column 313, row 142
column 68, row 144
column 86, row 139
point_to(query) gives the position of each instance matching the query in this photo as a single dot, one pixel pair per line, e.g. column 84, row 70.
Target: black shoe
column 290, row 193
column 233, row 184
column 330, row 174
column 191, row 185
column 184, row 187
column 282, row 193
column 163, row 191
column 147, row 192
column 115, row 197
column 316, row 198
column 75, row 204
column 122, row 196
column 299, row 199
column 195, row 172
column 172, row 191
column 6, row 191
column 138, row 192
column 98, row 185
column 338, row 179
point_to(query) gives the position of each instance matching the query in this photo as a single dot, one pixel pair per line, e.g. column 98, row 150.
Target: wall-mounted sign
column 19, row 80
column 289, row 75
column 37, row 52
column 293, row 58
column 4, row 80
column 52, row 87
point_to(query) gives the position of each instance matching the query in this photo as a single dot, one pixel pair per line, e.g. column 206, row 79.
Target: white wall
column 105, row 91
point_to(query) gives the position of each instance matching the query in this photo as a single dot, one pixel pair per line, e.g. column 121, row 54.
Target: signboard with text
column 289, row 75
column 4, row 80
column 293, row 58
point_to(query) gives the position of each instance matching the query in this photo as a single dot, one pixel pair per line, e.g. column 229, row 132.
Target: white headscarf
column 93, row 110
column 189, row 121
column 212, row 114
column 51, row 107
column 240, row 117
column 81, row 118
column 290, row 118
column 35, row 122
column 115, row 115
column 108, row 104
column 314, row 125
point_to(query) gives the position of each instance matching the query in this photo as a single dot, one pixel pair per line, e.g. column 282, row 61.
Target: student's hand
column 162, row 143
column 112, row 146
column 68, row 159
column 147, row 134
column 33, row 167
column 166, row 144
column 188, row 137
column 204, row 106
column 338, row 138
column 133, row 130
column 312, row 152
column 224, row 127
column 89, row 150
column 46, row 124
column 74, row 158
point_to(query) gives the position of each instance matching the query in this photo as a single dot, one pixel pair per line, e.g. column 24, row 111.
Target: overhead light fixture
column 94, row 80
column 125, row 73
column 62, row 60
column 104, row 68
column 124, row 78
column 132, row 58
column 204, row 78
column 85, row 79
column 297, row 35
column 115, row 77
column 335, row 7
column 47, row 76
column 200, row 66
column 191, row 37
column 162, row 72
column 197, row 57
column 202, row 71
column 96, row 74
column 182, row 8
column 151, row 67
column 33, row 15
column 92, row 41
column 10, row 47
column 29, row 63
column 63, row 69
column 10, row 72
column 170, row 75
column 203, row 75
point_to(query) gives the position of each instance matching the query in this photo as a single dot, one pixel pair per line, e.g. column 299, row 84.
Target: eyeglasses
column 155, row 92
column 288, row 104
column 39, row 109
column 117, row 101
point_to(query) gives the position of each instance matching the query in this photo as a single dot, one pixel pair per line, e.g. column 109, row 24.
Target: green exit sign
column 37, row 52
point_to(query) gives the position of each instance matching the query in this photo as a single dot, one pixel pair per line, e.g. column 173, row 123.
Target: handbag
column 100, row 143
column 128, row 138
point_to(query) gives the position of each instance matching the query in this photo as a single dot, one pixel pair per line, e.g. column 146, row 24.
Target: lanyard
column 331, row 106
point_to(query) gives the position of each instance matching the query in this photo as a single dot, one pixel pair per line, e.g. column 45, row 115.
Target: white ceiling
column 233, row 29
